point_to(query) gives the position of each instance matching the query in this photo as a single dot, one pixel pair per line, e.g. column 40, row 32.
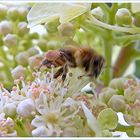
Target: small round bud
column 98, row 13
column 35, row 61
column 118, row 83
column 32, row 51
column 5, row 27
column 137, row 131
column 22, row 11
column 42, row 44
column 130, row 94
column 69, row 132
column 22, row 28
column 2, row 76
column 66, row 29
column 34, row 36
column 106, row 133
column 10, row 110
column 10, row 40
column 22, row 58
column 13, row 13
column 18, row 72
column 136, row 20
column 52, row 45
column 123, row 17
column 3, row 11
column 106, row 94
column 25, row 108
column 108, row 119
column 117, row 103
column 52, row 26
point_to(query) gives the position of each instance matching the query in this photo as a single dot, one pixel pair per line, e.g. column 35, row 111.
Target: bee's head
column 98, row 64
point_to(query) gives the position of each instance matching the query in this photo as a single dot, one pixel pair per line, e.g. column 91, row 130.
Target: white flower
column 26, row 108
column 10, row 109
column 6, row 126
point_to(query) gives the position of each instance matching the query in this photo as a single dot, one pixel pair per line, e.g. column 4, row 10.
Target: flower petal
column 37, row 121
column 46, row 12
column 91, row 120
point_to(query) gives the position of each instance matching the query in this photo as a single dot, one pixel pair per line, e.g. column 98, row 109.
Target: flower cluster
column 45, row 107
column 123, row 95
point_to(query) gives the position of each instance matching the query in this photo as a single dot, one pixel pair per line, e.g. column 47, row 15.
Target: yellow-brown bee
column 83, row 57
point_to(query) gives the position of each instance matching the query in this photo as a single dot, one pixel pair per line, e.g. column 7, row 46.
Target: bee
column 85, row 58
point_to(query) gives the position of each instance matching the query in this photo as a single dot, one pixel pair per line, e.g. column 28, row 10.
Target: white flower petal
column 91, row 120
column 26, row 107
column 37, row 121
column 39, row 131
column 46, row 12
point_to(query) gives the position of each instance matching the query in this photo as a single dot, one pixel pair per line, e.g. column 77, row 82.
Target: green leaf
column 91, row 120
column 46, row 12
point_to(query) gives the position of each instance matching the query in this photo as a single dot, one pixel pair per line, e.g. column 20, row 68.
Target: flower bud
column 66, row 29
column 22, row 11
column 129, row 94
column 106, row 133
column 2, row 76
column 117, row 103
column 52, row 26
column 42, row 44
column 136, row 20
column 35, row 61
column 70, row 132
column 40, row 131
column 5, row 27
column 3, row 11
column 137, row 131
column 32, row 51
column 22, row 28
column 106, row 94
column 98, row 13
column 22, row 58
column 123, row 17
column 10, row 40
column 117, row 83
column 18, row 72
column 13, row 13
column 34, row 36
column 108, row 119
column 52, row 45
column 10, row 110
column 25, row 108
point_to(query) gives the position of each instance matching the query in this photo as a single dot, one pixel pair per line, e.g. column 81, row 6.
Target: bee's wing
column 46, row 12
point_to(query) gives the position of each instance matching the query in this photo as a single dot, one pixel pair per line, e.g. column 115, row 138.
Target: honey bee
column 85, row 58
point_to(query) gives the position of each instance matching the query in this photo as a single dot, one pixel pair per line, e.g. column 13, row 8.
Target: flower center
column 52, row 117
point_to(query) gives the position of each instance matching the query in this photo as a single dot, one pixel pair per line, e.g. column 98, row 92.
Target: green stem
column 129, row 38
column 94, row 21
column 21, row 129
column 6, row 65
column 107, row 43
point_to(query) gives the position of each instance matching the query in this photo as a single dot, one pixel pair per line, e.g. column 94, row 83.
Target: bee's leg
column 65, row 70
column 59, row 72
